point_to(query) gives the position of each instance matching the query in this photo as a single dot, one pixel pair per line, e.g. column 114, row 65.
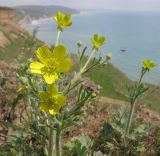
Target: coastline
column 130, row 68
column 29, row 20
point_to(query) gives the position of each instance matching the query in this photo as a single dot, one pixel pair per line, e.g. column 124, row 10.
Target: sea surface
column 136, row 33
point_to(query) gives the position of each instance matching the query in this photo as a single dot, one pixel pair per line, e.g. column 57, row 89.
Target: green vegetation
column 114, row 84
column 111, row 80
column 51, row 100
column 19, row 49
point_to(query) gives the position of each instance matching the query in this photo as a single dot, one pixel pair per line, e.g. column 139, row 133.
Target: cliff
column 7, row 14
column 9, row 29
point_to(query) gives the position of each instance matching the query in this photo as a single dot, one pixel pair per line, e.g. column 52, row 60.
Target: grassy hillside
column 21, row 45
column 111, row 80
column 114, row 84
column 38, row 11
column 18, row 44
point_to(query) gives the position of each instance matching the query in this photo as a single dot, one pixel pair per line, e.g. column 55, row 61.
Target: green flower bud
column 79, row 44
column 108, row 56
column 94, row 96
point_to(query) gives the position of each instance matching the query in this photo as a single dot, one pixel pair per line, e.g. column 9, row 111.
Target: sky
column 143, row 5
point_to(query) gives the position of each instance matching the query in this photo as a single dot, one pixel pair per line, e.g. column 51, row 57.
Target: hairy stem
column 51, row 140
column 129, row 122
column 58, row 37
column 133, row 103
column 88, row 61
column 58, row 141
column 78, row 75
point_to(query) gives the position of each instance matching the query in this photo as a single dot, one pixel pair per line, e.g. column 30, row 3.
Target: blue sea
column 136, row 32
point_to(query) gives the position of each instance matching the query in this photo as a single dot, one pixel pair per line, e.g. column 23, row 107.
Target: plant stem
column 51, row 138
column 88, row 61
column 58, row 141
column 130, row 118
column 78, row 75
column 133, row 103
column 58, row 37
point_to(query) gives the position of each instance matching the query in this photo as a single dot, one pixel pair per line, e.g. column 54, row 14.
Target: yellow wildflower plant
column 63, row 20
column 52, row 100
column 148, row 65
column 97, row 41
column 49, row 64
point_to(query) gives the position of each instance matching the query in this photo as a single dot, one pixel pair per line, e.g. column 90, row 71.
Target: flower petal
column 36, row 67
column 43, row 95
column 43, row 53
column 67, row 18
column 44, row 107
column 61, row 100
column 59, row 52
column 60, row 16
column 65, row 65
column 54, row 111
column 50, row 78
column 67, row 24
column 102, row 39
column 52, row 89
column 95, row 37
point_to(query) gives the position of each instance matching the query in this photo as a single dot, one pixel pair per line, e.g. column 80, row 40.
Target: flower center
column 51, row 100
column 51, row 66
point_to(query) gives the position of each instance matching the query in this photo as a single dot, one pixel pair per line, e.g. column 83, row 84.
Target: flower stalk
column 58, row 141
column 78, row 75
column 130, row 118
column 51, row 142
column 133, row 100
column 58, row 37
column 88, row 61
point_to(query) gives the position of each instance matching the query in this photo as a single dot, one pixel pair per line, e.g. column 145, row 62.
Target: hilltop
column 32, row 12
column 14, row 41
column 9, row 29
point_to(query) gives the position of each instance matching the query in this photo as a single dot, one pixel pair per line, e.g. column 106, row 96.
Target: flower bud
column 108, row 56
column 79, row 44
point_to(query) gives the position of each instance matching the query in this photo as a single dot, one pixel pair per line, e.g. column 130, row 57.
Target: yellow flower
column 50, row 65
column 62, row 20
column 97, row 41
column 148, row 65
column 52, row 101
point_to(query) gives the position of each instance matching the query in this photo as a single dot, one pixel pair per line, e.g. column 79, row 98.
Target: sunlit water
column 137, row 33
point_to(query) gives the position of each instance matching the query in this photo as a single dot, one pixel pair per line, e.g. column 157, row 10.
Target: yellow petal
column 36, row 67
column 67, row 17
column 44, row 107
column 52, row 89
column 43, row 53
column 55, row 18
column 65, row 65
column 59, row 52
column 43, row 95
column 95, row 37
column 50, row 78
column 60, row 15
column 54, row 110
column 60, row 100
